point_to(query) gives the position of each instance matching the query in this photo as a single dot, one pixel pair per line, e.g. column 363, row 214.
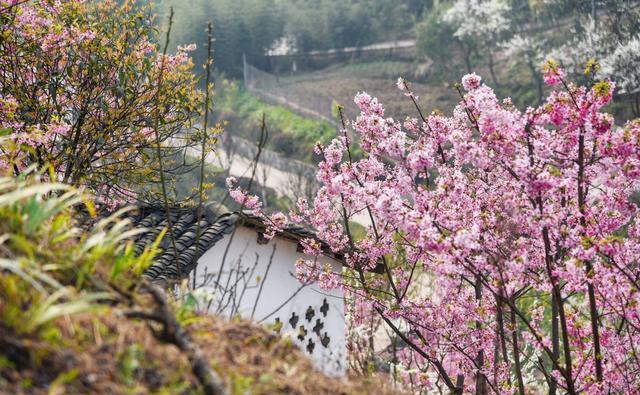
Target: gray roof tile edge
column 214, row 227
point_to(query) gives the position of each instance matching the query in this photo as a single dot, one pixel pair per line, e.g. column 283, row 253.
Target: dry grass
column 76, row 318
column 342, row 86
column 106, row 353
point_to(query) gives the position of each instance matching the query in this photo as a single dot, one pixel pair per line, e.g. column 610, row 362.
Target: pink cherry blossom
column 481, row 222
column 553, row 74
column 471, row 81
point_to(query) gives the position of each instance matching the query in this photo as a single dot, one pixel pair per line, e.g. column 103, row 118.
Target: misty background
column 294, row 60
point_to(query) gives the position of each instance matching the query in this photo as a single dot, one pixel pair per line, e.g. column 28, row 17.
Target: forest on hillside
column 452, row 36
column 506, row 42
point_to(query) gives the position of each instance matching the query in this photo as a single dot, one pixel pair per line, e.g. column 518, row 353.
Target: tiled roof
column 213, row 227
column 185, row 227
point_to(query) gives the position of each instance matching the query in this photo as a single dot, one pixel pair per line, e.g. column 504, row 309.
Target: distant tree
column 84, row 89
column 325, row 24
column 307, row 26
column 329, row 24
column 479, row 25
column 349, row 24
column 623, row 63
column 530, row 51
column 610, row 34
column 435, row 40
column 417, row 8
column 240, row 27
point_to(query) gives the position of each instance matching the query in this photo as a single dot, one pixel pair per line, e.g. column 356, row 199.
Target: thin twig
column 157, row 137
column 264, row 279
column 261, row 143
column 172, row 332
column 203, row 151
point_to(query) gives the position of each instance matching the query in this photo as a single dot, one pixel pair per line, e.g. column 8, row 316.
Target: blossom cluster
column 80, row 92
column 274, row 222
column 521, row 222
column 613, row 41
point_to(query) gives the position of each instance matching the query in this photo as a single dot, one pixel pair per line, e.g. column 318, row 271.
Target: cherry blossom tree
column 83, row 88
column 507, row 241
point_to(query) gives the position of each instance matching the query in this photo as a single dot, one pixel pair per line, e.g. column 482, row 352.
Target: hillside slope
column 76, row 316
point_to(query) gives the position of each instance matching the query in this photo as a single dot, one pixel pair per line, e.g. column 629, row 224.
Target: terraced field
column 316, row 91
column 342, row 84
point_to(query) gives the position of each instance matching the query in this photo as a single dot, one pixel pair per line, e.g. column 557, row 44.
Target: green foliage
column 384, row 69
column 434, row 39
column 51, row 267
column 62, row 379
column 241, row 384
column 289, row 133
column 358, row 231
column 239, row 27
column 129, row 361
column 59, row 283
column 317, row 25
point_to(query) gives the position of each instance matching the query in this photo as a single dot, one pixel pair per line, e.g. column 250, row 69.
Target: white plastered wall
column 248, row 266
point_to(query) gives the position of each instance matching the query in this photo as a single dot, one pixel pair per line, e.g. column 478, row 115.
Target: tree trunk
column 555, row 341
column 492, row 71
column 516, row 352
column 481, row 385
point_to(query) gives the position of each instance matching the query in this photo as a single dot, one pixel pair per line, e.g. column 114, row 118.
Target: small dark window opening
column 310, row 314
column 293, row 321
column 324, row 308
column 302, row 333
column 324, row 340
column 310, row 346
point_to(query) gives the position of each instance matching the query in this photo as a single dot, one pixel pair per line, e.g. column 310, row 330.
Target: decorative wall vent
column 310, row 346
column 302, row 333
column 318, row 327
column 324, row 308
column 324, row 340
column 309, row 342
column 293, row 321
column 310, row 314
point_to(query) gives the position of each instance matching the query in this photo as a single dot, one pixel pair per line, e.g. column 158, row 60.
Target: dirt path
column 290, row 184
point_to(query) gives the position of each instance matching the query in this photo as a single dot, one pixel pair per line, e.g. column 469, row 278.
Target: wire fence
column 275, row 90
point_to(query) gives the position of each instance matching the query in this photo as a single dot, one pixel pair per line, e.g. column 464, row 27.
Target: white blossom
column 623, row 65
column 618, row 52
column 478, row 19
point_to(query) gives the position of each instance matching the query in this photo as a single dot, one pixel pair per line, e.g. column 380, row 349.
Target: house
column 233, row 270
